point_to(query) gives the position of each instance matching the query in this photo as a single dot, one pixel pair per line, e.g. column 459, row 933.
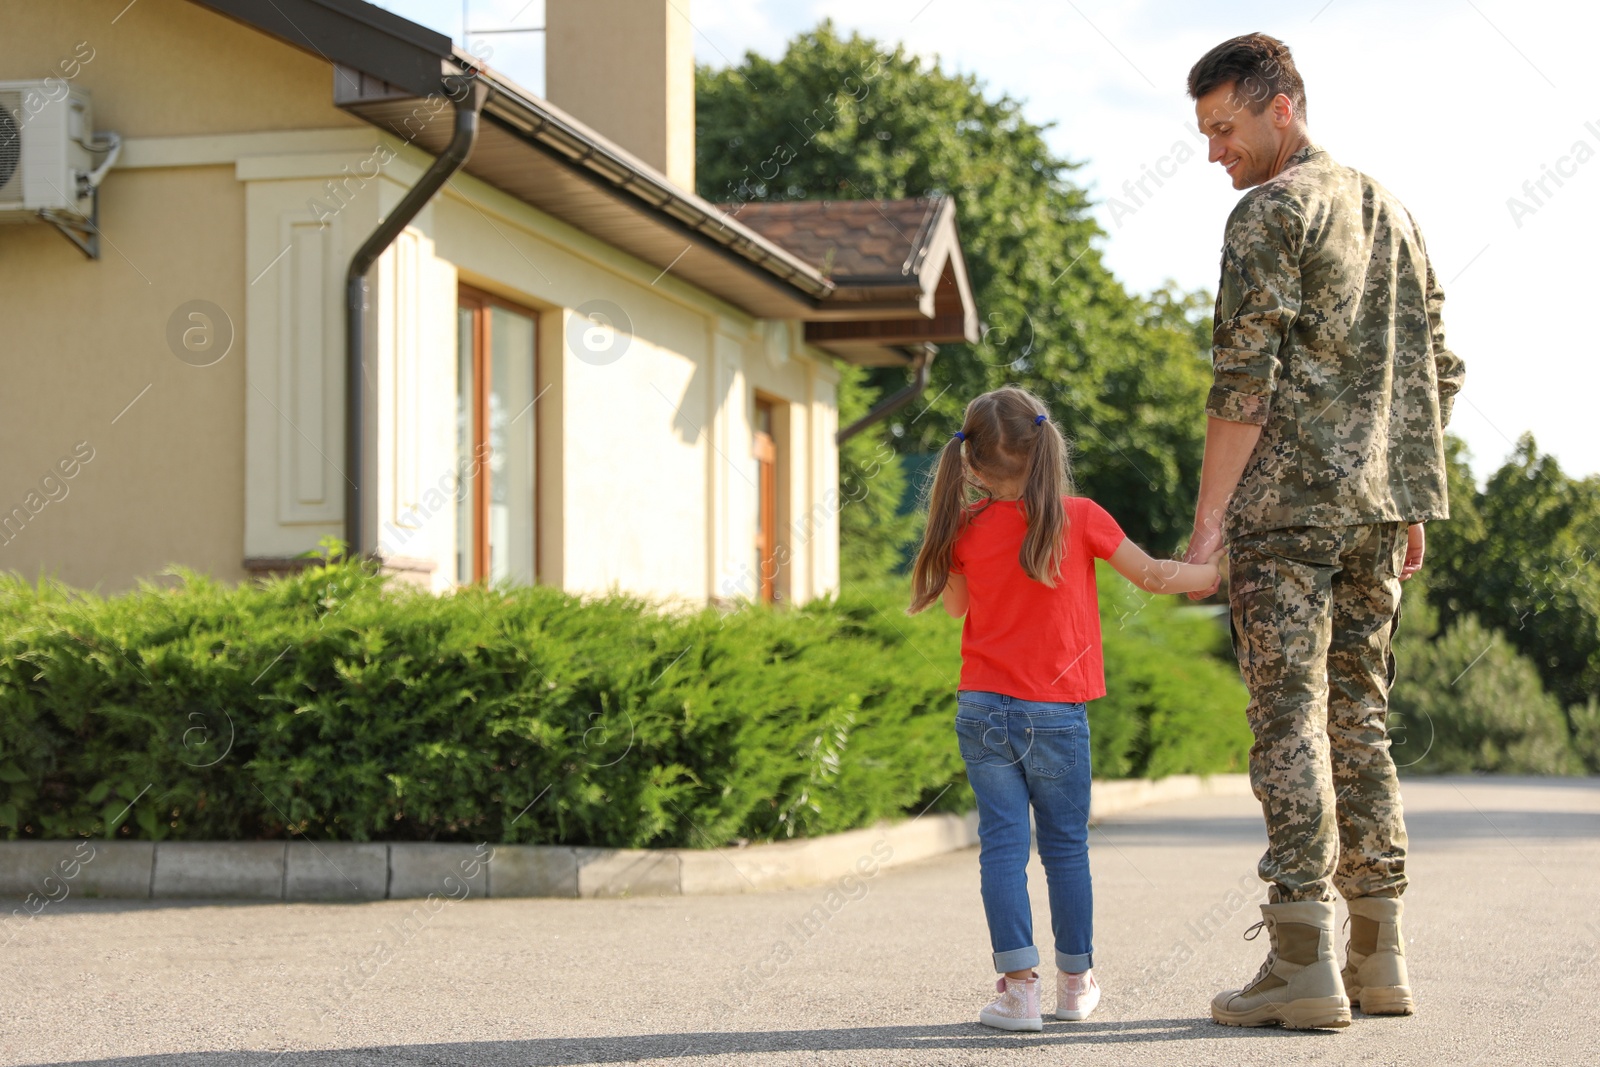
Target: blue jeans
column 1019, row 752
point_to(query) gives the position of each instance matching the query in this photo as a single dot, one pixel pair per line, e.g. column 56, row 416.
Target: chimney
column 626, row 68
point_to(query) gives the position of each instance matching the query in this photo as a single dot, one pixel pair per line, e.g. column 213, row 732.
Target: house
column 280, row 271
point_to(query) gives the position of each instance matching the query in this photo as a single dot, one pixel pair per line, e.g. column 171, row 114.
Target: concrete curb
column 43, row 872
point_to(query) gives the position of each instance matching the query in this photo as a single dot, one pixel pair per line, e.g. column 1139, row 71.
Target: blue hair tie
column 959, row 436
column 1038, row 420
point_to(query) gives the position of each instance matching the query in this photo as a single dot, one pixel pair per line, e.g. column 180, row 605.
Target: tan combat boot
column 1375, row 959
column 1298, row 986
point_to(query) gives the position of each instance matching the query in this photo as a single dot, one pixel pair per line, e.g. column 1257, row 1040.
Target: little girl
column 1014, row 553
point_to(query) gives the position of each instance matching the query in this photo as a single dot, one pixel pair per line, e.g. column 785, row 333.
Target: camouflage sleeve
column 1448, row 367
column 1257, row 301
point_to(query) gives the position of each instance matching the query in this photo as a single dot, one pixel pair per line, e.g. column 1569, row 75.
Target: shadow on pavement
column 1423, row 827
column 1429, row 826
column 970, row 1037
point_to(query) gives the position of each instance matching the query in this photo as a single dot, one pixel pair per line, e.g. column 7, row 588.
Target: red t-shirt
column 1021, row 637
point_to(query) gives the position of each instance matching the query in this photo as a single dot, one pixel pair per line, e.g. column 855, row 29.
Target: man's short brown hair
column 1260, row 67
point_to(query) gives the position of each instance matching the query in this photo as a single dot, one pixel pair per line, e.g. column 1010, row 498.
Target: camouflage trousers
column 1314, row 611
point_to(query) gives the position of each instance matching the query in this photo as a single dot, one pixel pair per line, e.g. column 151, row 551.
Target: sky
column 1483, row 116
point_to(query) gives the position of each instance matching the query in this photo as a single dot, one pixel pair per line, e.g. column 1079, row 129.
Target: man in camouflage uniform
column 1324, row 457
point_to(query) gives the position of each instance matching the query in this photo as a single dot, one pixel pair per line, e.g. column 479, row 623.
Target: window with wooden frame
column 765, row 450
column 496, row 509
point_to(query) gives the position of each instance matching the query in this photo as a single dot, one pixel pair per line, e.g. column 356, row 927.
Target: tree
column 1125, row 376
column 1451, row 541
column 872, row 533
column 1522, row 557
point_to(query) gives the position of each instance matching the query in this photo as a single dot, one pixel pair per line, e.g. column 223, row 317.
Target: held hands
column 1213, row 568
column 1205, row 550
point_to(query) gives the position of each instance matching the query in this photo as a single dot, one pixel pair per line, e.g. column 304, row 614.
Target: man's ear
column 1282, row 111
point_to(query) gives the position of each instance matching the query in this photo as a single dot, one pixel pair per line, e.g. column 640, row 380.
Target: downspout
column 468, row 96
column 920, row 369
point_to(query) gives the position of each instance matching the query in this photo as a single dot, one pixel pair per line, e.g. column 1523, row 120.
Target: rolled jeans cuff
column 1074, row 962
column 1016, row 959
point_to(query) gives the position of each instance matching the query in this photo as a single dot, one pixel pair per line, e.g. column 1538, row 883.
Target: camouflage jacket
column 1328, row 335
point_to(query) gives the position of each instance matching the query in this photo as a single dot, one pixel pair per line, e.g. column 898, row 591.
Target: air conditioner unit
column 51, row 160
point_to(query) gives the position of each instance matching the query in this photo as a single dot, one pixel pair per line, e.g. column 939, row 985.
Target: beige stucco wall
column 645, row 477
column 84, row 339
column 657, row 492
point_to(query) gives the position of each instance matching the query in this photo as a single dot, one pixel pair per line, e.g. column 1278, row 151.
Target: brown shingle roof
column 880, row 255
column 848, row 240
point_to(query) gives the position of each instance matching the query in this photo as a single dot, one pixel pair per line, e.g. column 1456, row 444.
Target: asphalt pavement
column 1502, row 927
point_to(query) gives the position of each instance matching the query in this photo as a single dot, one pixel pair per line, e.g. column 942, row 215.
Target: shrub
column 1585, row 719
column 1467, row 701
column 339, row 705
column 1174, row 701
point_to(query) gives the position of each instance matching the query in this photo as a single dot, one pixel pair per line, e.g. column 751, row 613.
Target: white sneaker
column 1017, row 1006
column 1076, row 995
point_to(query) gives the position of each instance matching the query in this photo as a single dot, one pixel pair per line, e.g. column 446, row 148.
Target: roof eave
column 555, row 128
column 408, row 60
column 384, row 64
column 354, row 34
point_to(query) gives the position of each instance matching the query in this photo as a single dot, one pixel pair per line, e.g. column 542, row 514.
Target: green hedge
column 343, row 706
column 1174, row 702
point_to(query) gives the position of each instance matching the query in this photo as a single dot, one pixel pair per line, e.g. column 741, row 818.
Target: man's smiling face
column 1245, row 143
